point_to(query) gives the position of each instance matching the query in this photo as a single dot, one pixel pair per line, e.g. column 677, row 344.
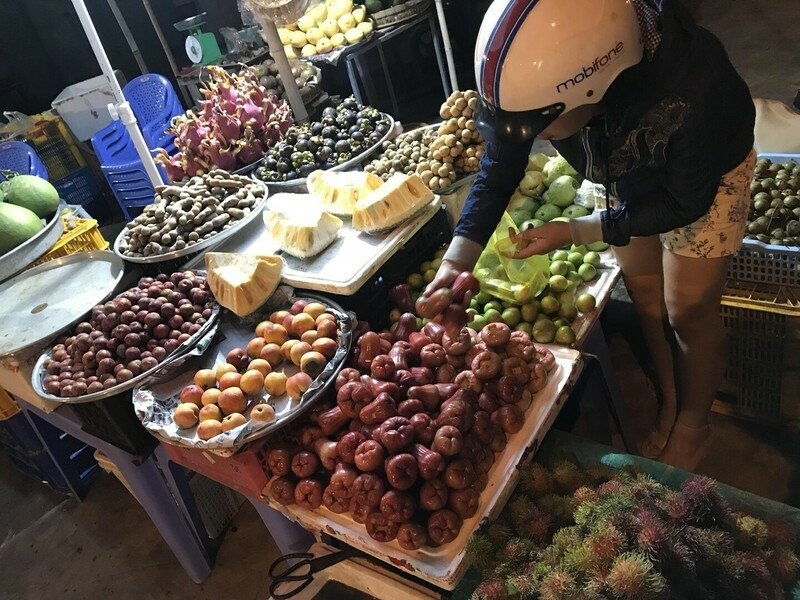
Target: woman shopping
column 638, row 98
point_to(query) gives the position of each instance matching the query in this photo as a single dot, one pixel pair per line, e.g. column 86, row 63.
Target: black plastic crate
column 113, row 420
column 17, row 434
column 371, row 302
column 39, row 465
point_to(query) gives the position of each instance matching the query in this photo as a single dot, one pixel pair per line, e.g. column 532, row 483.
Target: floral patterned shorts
column 720, row 231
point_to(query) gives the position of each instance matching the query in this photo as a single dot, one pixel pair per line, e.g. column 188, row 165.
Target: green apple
column 523, row 294
column 560, row 322
column 537, row 162
column 562, row 191
column 426, row 266
column 558, row 283
column 493, row 305
column 483, row 274
column 559, row 267
column 547, row 212
column 529, row 311
column 482, row 297
column 492, row 316
column 544, row 332
column 561, row 255
column 587, row 272
column 566, row 298
column 519, row 216
column 532, row 224
column 597, row 246
column 428, row 275
column 576, row 258
column 474, row 304
column 568, row 312
column 586, row 303
column 477, row 323
column 565, row 335
column 550, row 305
column 575, row 212
column 511, row 316
column 471, row 312
column 591, row 258
column 436, row 263
column 415, row 281
column 581, row 248
column 420, row 323
column 526, row 327
column 541, row 317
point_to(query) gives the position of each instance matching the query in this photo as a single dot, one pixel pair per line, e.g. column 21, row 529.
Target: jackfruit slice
column 338, row 192
column 395, row 201
column 242, row 282
column 304, row 232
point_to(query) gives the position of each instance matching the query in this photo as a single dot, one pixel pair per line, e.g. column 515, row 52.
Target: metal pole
column 285, row 70
column 112, row 4
column 122, row 108
column 448, row 48
column 187, row 100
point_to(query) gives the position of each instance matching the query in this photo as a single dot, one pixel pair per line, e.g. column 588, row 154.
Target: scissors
column 301, row 573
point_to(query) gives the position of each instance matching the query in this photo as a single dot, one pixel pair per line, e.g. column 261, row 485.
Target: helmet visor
column 497, row 125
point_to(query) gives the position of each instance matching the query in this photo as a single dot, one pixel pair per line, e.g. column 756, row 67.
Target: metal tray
column 26, row 253
column 445, row 566
column 201, row 245
column 155, row 400
column 38, row 374
column 51, row 297
column 300, row 183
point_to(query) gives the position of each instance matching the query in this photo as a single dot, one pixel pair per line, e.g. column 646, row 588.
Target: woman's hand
column 541, row 240
column 445, row 276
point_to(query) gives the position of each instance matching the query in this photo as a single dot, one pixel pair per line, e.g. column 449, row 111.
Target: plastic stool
column 21, row 158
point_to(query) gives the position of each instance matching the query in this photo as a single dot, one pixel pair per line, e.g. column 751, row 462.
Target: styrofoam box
column 84, row 105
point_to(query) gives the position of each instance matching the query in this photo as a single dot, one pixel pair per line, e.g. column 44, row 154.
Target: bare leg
column 693, row 291
column 641, row 263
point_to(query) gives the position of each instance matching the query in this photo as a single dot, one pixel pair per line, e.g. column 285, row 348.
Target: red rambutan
column 781, row 534
column 783, row 564
column 558, row 585
column 493, row 589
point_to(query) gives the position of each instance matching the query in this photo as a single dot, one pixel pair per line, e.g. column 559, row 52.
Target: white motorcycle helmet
column 537, row 59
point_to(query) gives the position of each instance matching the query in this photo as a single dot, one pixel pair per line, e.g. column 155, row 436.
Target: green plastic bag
column 515, row 281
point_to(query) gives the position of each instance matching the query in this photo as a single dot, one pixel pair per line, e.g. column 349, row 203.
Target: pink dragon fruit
column 250, row 148
column 223, row 157
column 172, row 164
column 251, row 116
column 226, row 126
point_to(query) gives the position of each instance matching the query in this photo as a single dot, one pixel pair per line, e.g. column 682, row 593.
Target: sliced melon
column 304, row 232
column 242, row 282
column 338, row 192
column 395, row 201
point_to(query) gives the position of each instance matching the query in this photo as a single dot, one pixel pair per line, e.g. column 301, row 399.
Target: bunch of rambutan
column 597, row 533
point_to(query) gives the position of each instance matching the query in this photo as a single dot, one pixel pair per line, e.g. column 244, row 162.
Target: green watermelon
column 34, row 193
column 17, row 225
column 373, row 6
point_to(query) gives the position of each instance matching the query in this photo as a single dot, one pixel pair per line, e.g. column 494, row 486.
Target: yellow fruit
column 242, row 282
column 314, row 35
column 324, row 46
column 365, row 27
column 337, row 40
column 354, row 35
column 298, row 39
column 329, row 27
column 359, row 13
column 285, row 35
column 395, row 201
column 337, row 8
column 290, row 52
column 308, row 50
column 319, row 12
column 306, row 22
column 302, row 233
column 338, row 192
column 346, row 21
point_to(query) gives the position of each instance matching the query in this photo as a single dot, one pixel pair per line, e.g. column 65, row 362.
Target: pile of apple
column 407, row 447
column 254, row 377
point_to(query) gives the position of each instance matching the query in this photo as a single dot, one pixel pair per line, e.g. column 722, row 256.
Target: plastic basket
column 78, row 188
column 8, row 406
column 55, row 145
column 216, row 503
column 246, row 471
column 757, row 262
column 113, row 420
column 371, row 302
column 763, row 370
column 85, row 236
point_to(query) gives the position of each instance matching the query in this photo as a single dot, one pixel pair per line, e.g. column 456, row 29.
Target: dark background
column 43, row 48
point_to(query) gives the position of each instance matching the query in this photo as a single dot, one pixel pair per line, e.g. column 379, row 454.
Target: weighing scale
column 201, row 47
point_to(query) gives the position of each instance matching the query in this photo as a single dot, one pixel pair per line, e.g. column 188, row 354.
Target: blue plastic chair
column 122, row 168
column 155, row 103
column 21, row 158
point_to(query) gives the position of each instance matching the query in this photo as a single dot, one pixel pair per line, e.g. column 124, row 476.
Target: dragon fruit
column 237, row 121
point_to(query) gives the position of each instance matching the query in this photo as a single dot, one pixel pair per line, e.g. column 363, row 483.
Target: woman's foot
column 686, row 446
column 654, row 444
column 656, row 441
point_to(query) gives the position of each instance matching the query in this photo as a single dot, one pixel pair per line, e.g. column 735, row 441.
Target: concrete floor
column 106, row 547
